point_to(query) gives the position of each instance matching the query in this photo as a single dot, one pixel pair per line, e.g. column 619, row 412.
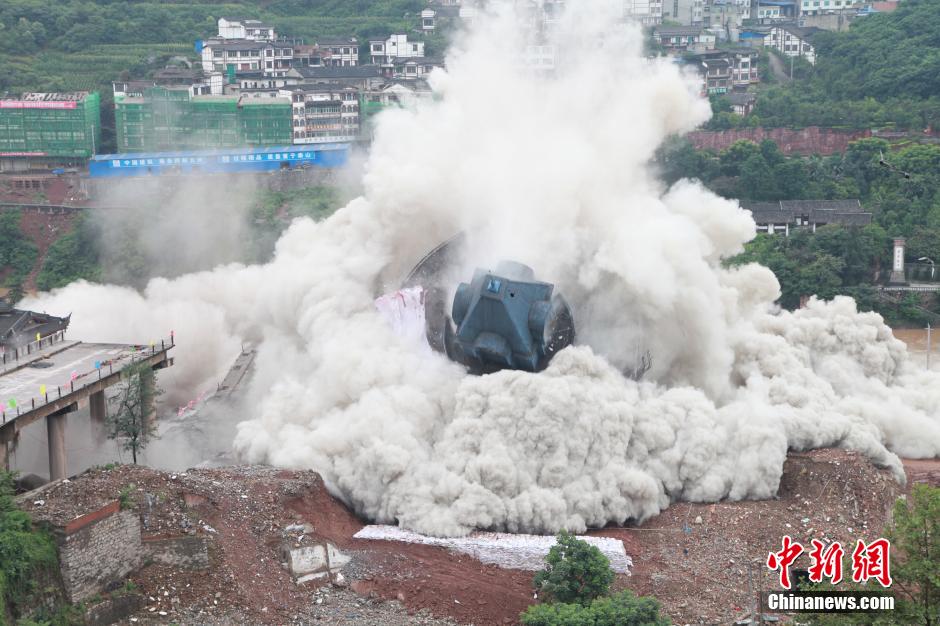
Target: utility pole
column 928, row 345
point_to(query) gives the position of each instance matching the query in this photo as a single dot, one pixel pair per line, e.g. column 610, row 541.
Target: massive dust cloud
column 552, row 171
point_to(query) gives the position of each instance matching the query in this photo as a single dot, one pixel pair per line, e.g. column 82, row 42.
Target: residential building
column 362, row 77
column 646, row 12
column 45, row 130
column 198, row 83
column 742, row 103
column 793, row 41
column 437, row 14
column 342, row 52
column 726, row 14
column 170, row 118
column 836, row 22
column 716, row 74
column 384, row 51
column 693, row 38
column 768, row 11
column 410, row 69
column 786, row 215
column 818, row 7
column 686, row 12
column 324, row 113
column 743, row 66
column 307, row 55
column 239, row 28
column 232, row 56
column 257, row 85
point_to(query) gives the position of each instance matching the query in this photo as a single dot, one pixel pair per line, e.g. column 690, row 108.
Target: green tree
column 915, row 534
column 575, row 571
column 71, row 257
column 17, row 251
column 131, row 423
column 24, row 553
column 621, row 609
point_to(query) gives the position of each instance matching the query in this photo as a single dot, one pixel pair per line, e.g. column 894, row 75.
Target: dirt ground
column 703, row 561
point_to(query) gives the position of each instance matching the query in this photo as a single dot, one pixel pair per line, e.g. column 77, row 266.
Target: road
column 57, row 370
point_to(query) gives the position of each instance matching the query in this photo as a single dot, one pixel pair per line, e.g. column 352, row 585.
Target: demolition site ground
column 704, row 562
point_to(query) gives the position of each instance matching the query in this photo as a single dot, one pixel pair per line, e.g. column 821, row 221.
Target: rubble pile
column 706, row 562
column 268, row 530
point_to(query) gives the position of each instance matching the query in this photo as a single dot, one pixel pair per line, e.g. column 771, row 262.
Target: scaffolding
column 171, row 119
column 61, row 125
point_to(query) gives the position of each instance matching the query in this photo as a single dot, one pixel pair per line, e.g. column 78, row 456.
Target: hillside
column 82, row 45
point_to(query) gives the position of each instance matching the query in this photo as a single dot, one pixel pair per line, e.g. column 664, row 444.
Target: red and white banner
column 37, row 104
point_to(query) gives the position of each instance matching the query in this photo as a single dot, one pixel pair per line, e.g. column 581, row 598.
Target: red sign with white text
column 871, row 561
column 37, row 104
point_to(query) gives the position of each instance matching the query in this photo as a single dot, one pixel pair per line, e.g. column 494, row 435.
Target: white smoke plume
column 552, row 171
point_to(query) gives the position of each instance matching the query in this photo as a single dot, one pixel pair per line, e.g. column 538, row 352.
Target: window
column 346, row 50
column 376, row 47
column 414, row 47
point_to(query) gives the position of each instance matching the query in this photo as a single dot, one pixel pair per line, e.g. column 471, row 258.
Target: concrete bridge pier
column 55, row 426
column 98, row 407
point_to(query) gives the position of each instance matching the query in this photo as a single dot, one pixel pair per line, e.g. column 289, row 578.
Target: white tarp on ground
column 404, row 312
column 526, row 552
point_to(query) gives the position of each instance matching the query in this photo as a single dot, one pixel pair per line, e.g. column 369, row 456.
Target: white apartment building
column 254, row 30
column 793, row 41
column 771, row 12
column 339, row 52
column 819, row 7
column 646, row 12
column 270, row 58
column 324, row 113
column 395, row 47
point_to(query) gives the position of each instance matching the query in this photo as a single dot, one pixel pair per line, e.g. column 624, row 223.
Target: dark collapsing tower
column 507, row 320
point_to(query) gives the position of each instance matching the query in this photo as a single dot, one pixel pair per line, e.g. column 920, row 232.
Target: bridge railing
column 32, row 347
column 13, row 408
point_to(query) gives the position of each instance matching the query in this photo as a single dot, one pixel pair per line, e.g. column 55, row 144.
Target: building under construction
column 168, row 119
column 47, row 130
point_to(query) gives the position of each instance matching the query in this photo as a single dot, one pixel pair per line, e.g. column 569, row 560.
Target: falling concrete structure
column 53, row 377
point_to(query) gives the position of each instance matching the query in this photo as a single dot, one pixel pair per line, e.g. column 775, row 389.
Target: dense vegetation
column 575, row 589
column 26, row 554
column 882, row 72
column 71, row 257
column 903, row 195
column 18, row 253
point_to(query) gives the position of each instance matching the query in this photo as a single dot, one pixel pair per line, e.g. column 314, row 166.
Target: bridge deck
column 70, row 373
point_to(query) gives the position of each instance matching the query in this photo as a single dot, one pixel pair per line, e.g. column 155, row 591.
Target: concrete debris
column 525, row 552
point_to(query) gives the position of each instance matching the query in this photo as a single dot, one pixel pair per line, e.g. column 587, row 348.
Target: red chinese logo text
column 872, row 561
column 783, row 559
column 826, row 563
